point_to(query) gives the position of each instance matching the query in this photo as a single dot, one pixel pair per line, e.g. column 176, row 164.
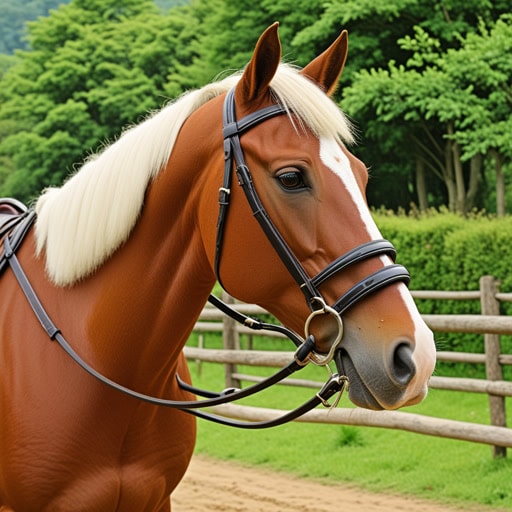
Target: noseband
column 305, row 353
column 233, row 154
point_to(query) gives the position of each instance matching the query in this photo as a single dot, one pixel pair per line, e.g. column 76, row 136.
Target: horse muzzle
column 384, row 380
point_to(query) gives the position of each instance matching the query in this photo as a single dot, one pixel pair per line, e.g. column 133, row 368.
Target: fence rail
column 489, row 323
column 451, row 429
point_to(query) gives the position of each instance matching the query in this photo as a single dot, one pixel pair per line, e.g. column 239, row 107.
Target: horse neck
column 150, row 293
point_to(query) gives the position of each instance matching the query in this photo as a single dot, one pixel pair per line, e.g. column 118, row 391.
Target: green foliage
column 452, row 89
column 6, row 61
column 446, row 251
column 94, row 68
column 15, row 15
column 420, row 76
column 220, row 38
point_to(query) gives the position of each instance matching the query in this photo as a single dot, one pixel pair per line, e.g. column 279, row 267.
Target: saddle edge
column 11, row 206
column 15, row 221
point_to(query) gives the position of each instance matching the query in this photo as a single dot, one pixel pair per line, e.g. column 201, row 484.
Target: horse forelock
column 313, row 109
column 80, row 224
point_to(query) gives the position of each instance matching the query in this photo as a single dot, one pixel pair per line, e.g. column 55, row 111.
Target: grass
column 376, row 459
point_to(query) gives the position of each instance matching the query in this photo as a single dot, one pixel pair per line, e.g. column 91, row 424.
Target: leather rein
column 305, row 352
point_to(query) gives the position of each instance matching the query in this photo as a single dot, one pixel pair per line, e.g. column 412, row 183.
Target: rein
column 334, row 385
column 305, row 353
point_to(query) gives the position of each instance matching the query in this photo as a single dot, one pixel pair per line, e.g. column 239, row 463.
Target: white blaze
column 334, row 158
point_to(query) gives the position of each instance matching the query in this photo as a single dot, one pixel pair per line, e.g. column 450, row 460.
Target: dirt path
column 212, row 485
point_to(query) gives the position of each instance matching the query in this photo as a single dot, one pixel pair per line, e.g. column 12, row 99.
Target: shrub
column 444, row 251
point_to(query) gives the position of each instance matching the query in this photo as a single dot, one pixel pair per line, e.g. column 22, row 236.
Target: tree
column 225, row 32
column 95, row 66
column 406, row 146
column 218, row 38
column 455, row 104
column 484, row 66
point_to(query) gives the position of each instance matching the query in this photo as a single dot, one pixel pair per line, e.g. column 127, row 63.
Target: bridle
column 305, row 353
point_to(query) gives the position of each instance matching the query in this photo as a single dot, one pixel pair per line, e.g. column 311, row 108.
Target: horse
column 123, row 256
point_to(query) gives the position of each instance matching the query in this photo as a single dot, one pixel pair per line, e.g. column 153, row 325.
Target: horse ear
column 326, row 69
column 253, row 84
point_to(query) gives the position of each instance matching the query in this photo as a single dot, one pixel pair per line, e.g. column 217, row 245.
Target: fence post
column 230, row 341
column 490, row 306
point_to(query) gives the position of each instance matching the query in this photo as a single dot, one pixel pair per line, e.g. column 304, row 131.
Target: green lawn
column 377, row 459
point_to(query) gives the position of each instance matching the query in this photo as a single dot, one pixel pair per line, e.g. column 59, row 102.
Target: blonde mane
column 80, row 224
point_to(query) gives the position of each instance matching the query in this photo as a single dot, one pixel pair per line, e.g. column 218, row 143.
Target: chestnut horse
column 124, row 255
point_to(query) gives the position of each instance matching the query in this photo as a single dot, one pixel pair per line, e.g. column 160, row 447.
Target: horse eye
column 292, row 180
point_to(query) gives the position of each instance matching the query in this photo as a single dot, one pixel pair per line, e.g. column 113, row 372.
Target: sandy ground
column 212, row 485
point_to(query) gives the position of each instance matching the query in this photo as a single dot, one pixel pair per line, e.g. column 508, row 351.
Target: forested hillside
column 13, row 18
column 427, row 84
column 15, row 14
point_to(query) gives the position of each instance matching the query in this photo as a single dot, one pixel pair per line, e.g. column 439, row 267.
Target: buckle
column 336, row 384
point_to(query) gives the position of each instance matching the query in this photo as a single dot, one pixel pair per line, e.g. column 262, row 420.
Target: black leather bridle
column 233, row 153
column 305, row 353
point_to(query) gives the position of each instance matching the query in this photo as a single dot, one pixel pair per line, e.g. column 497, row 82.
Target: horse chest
column 76, row 444
column 101, row 462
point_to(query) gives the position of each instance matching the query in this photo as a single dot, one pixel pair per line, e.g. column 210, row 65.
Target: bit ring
column 315, row 357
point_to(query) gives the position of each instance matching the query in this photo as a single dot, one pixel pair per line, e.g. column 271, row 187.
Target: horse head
column 308, row 193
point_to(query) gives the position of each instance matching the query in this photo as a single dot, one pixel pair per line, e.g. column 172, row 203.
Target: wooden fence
column 489, row 323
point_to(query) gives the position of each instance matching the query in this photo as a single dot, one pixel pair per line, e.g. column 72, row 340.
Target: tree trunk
column 449, row 178
column 474, row 181
column 421, row 188
column 500, row 185
column 458, row 172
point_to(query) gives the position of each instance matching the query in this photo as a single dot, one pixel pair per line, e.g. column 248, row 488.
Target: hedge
column 444, row 251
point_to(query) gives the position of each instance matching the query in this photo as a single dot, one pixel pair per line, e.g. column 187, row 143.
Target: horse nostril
column 403, row 368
